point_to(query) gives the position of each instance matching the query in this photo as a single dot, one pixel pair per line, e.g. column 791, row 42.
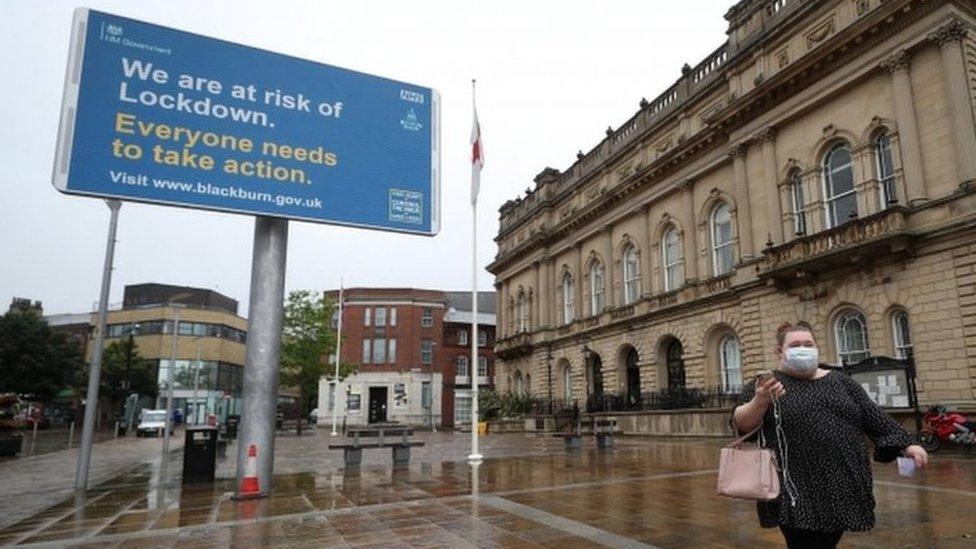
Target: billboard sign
column 158, row 115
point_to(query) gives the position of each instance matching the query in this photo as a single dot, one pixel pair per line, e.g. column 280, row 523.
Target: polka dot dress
column 825, row 421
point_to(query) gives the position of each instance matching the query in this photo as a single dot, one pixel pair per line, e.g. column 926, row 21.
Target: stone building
column 820, row 165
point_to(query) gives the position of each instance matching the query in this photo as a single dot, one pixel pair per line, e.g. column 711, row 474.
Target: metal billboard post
column 264, row 324
column 95, row 372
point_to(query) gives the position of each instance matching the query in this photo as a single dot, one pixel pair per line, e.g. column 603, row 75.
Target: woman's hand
column 919, row 454
column 768, row 390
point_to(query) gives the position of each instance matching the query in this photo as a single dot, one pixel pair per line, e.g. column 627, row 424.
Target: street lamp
column 172, row 303
column 126, row 384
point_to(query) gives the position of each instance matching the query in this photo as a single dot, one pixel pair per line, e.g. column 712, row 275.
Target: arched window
column 528, row 384
column 722, row 252
column 799, row 203
column 567, row 384
column 731, row 362
column 568, row 312
column 839, row 190
column 851, row 331
column 482, row 366
column 886, row 169
column 596, row 288
column 461, row 362
column 522, row 310
column 901, row 334
column 676, row 365
column 462, row 337
column 673, row 268
column 519, row 384
column 631, row 275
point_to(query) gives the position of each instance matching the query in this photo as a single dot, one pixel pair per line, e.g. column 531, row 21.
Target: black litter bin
column 200, row 454
column 232, row 422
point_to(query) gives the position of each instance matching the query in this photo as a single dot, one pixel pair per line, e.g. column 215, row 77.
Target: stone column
column 609, row 276
column 898, row 66
column 579, row 308
column 499, row 311
column 774, row 215
column 690, row 237
column 743, row 210
column 535, row 320
column 647, row 266
column 949, row 38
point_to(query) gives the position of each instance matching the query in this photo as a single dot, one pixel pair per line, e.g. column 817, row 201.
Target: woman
column 825, row 472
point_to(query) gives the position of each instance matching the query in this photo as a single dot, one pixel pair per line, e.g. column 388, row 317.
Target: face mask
column 802, row 359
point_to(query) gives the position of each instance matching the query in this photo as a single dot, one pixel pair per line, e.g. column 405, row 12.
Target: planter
column 10, row 445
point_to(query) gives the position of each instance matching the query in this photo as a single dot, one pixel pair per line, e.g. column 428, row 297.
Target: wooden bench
column 353, row 450
column 602, row 429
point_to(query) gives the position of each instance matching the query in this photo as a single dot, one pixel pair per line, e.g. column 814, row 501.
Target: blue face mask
column 802, row 359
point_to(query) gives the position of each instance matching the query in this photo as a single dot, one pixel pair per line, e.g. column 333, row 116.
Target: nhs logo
column 411, row 96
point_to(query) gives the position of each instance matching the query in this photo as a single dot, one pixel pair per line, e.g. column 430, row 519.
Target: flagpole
column 334, row 397
column 475, row 456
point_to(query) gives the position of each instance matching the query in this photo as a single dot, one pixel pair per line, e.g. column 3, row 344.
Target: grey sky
column 552, row 75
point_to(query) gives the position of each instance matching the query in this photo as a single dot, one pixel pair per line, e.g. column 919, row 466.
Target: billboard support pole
column 95, row 372
column 264, row 324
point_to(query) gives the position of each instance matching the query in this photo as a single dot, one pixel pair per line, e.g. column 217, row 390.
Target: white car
column 313, row 416
column 151, row 423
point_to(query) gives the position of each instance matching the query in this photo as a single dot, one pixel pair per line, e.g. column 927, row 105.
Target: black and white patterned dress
column 824, row 421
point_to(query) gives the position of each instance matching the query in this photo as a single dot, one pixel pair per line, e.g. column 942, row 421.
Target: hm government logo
column 411, row 123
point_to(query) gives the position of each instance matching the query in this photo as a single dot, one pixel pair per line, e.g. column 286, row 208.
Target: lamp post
column 173, row 303
column 126, row 384
column 196, row 386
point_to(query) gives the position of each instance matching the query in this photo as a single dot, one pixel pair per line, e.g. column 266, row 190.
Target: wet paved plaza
column 529, row 492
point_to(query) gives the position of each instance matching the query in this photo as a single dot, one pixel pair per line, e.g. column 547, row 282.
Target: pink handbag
column 748, row 471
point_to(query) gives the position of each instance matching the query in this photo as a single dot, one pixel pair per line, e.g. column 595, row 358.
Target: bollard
column 71, row 434
column 34, row 437
column 116, row 435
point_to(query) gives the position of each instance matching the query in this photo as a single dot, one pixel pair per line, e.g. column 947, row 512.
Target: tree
column 34, row 359
column 306, row 341
column 125, row 371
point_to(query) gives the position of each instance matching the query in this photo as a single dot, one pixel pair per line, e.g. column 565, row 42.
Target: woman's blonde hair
column 787, row 327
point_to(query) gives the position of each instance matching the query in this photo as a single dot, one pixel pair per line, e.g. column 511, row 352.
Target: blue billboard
column 158, row 115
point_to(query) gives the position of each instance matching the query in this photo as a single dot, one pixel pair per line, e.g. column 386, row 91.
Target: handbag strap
column 738, row 442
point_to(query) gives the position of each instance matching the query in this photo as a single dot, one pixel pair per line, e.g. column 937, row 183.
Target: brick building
column 396, row 337
column 819, row 165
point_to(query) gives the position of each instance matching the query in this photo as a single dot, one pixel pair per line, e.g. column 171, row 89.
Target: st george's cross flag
column 477, row 158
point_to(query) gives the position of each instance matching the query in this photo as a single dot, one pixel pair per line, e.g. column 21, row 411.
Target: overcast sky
column 552, row 75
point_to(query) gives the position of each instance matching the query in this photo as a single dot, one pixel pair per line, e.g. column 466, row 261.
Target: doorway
column 377, row 404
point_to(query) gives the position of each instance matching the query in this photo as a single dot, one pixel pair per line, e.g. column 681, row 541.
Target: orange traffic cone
column 249, row 486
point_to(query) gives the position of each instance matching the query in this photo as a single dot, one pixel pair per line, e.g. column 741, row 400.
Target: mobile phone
column 762, row 376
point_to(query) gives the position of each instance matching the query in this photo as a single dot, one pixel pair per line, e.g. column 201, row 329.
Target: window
column 522, row 313
column 901, row 333
column 482, row 366
column 631, row 275
column 427, row 318
column 851, row 333
column 673, row 268
column 335, row 318
column 568, row 312
column 391, row 351
column 461, row 363
column 379, row 351
column 799, row 203
column 332, row 358
column 426, row 351
column 366, row 313
column 886, row 169
column 567, row 384
column 839, row 186
column 722, row 252
column 731, row 363
column 596, row 288
column 462, row 337
column 332, row 395
column 425, row 395
column 462, row 407
column 392, row 316
column 380, row 319
column 367, row 356
column 482, row 338
column 519, row 385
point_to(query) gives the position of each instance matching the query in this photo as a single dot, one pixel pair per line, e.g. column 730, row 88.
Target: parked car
column 152, row 423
